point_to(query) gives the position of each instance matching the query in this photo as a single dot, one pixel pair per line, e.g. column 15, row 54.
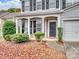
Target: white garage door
column 71, row 30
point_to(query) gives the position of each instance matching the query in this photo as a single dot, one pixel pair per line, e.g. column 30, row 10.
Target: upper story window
column 52, row 3
column 38, row 4
column 27, row 5
column 32, row 5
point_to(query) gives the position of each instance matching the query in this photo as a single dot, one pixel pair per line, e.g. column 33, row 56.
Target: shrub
column 8, row 37
column 60, row 34
column 9, row 28
column 19, row 38
column 39, row 36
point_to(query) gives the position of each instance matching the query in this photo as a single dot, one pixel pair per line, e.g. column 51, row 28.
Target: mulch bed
column 29, row 50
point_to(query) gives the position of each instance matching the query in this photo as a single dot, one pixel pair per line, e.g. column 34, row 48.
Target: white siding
column 71, row 13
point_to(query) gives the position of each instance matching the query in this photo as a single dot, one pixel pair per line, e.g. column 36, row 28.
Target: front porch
column 45, row 24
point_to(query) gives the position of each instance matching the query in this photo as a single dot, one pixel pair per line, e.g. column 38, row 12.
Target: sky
column 5, row 4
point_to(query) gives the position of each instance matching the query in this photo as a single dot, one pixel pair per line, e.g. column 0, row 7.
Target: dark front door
column 52, row 29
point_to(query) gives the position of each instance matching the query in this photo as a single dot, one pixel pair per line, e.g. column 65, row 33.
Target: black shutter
column 57, row 3
column 34, row 4
column 63, row 4
column 30, row 5
column 47, row 4
column 43, row 4
column 23, row 6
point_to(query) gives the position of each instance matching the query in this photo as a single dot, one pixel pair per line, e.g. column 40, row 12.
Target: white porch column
column 20, row 26
column 17, row 26
column 26, row 27
column 59, row 21
column 43, row 25
column 29, row 26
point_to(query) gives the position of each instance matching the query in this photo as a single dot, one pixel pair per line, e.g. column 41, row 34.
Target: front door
column 52, row 29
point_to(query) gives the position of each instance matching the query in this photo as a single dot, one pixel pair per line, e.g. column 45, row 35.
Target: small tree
column 60, row 34
column 39, row 36
column 9, row 28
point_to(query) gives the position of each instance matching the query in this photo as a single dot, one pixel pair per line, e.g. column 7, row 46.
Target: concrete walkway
column 71, row 48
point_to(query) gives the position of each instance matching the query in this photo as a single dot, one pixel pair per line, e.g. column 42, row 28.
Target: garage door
column 71, row 30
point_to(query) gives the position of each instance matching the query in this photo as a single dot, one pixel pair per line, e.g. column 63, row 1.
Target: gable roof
column 7, row 15
column 71, row 6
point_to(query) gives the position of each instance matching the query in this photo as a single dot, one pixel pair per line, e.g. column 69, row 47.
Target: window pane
column 23, row 25
column 30, row 27
column 27, row 5
column 34, row 25
column 38, row 4
column 52, row 3
column 38, row 25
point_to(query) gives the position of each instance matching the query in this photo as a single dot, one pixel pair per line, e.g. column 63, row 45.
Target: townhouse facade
column 47, row 15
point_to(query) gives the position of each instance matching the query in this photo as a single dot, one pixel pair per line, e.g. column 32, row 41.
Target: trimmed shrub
column 9, row 28
column 8, row 37
column 39, row 36
column 60, row 34
column 19, row 38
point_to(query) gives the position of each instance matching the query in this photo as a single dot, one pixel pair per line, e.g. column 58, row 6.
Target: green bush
column 60, row 34
column 8, row 37
column 9, row 27
column 19, row 38
column 39, row 36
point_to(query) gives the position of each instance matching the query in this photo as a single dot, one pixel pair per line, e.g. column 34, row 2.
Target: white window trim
column 55, row 5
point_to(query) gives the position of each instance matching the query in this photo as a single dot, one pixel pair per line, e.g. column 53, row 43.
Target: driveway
column 71, row 48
